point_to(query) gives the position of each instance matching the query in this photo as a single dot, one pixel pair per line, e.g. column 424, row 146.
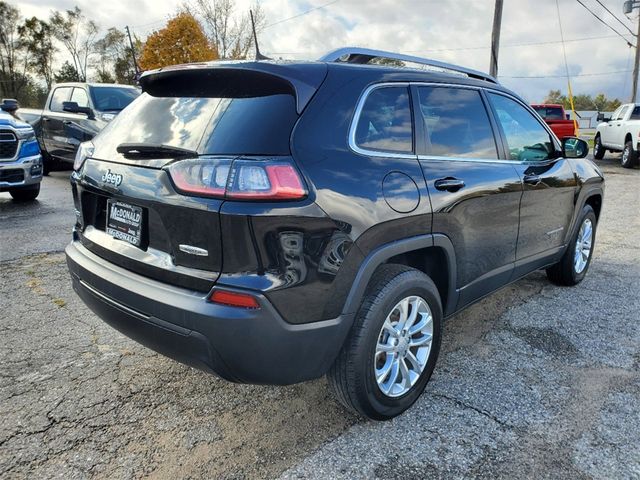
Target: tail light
column 241, row 179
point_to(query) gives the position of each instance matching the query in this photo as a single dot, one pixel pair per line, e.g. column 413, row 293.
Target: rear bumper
column 240, row 345
column 22, row 172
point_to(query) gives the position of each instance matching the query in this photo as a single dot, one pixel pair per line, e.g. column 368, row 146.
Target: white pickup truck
column 620, row 133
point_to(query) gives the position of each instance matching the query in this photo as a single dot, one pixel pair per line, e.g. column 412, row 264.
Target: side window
column 385, row 121
column 528, row 141
column 635, row 115
column 621, row 113
column 59, row 95
column 457, row 123
column 79, row 96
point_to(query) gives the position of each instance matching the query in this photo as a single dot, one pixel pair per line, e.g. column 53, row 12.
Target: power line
column 301, row 14
column 614, row 16
column 509, row 45
column 565, row 76
column 604, row 23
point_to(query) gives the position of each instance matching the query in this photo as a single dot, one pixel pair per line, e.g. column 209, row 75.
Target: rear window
column 225, row 126
column 112, row 99
column 550, row 113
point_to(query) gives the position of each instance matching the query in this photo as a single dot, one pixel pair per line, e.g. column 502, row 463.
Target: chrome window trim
column 381, row 154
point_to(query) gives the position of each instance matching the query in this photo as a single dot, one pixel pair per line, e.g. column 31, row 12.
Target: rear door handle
column 532, row 179
column 449, row 184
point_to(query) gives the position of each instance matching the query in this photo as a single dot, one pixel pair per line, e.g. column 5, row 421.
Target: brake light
column 242, row 179
column 234, row 299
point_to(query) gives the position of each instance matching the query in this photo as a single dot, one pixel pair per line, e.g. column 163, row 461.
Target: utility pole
column 495, row 38
column 627, row 8
column 133, row 51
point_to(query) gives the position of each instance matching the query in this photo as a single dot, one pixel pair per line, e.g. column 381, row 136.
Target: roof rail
column 364, row 55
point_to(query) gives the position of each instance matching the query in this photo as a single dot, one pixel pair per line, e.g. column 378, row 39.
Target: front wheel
column 629, row 155
column 25, row 194
column 393, row 346
column 573, row 266
column 598, row 148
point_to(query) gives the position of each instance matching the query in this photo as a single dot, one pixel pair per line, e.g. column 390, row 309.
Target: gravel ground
column 534, row 381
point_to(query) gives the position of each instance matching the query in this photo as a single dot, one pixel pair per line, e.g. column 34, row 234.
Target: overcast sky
column 457, row 31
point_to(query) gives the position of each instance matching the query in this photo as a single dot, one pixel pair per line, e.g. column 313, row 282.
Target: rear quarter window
column 384, row 123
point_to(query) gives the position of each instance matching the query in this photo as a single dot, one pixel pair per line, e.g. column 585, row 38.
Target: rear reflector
column 234, row 299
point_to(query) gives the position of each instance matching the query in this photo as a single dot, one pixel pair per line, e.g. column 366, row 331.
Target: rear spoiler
column 237, row 80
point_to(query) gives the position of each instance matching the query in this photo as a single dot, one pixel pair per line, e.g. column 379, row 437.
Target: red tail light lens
column 234, row 299
column 242, row 179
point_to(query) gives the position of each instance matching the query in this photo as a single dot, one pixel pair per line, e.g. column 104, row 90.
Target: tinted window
column 526, row 137
column 385, row 121
column 457, row 123
column 233, row 126
column 79, row 96
column 59, row 95
column 635, row 115
column 113, row 99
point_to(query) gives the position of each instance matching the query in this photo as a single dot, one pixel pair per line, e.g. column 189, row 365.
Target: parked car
column 274, row 222
column 20, row 159
column 557, row 119
column 74, row 113
column 620, row 133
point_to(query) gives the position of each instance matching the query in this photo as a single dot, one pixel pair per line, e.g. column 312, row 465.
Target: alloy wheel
column 403, row 346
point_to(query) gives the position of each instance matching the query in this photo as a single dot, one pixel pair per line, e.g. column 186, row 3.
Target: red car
column 557, row 119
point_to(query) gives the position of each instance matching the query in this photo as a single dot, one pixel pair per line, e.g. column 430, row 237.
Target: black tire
column 598, row 149
column 47, row 164
column 352, row 376
column 564, row 272
column 629, row 155
column 25, row 194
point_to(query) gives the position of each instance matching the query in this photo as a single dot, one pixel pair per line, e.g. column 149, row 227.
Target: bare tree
column 228, row 31
column 13, row 56
column 78, row 35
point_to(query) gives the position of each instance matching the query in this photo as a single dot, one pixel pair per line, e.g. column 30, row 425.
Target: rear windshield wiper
column 150, row 150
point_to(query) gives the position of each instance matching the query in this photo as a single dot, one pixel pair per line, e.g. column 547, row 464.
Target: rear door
column 53, row 128
column 475, row 192
column 549, row 183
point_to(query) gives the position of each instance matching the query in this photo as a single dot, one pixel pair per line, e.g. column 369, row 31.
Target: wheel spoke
column 406, row 379
column 418, row 342
column 413, row 316
column 426, row 320
column 384, row 371
column 393, row 377
column 384, row 348
column 390, row 329
column 415, row 363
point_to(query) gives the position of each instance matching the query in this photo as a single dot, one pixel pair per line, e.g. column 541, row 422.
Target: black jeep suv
column 272, row 222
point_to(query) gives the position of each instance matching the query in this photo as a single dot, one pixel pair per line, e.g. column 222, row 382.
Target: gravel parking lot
column 536, row 381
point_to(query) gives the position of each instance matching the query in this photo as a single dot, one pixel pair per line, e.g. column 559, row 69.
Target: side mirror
column 9, row 105
column 601, row 118
column 73, row 107
column 574, row 148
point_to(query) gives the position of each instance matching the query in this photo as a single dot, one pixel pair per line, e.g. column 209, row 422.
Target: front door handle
column 532, row 179
column 45, row 119
column 67, row 122
column 449, row 184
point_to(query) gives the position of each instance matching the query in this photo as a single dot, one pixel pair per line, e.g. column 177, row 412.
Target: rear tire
column 598, row 149
column 574, row 264
column 629, row 155
column 47, row 164
column 25, row 194
column 355, row 376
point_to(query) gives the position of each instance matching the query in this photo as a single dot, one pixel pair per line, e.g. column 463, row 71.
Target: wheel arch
column 432, row 254
column 629, row 138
